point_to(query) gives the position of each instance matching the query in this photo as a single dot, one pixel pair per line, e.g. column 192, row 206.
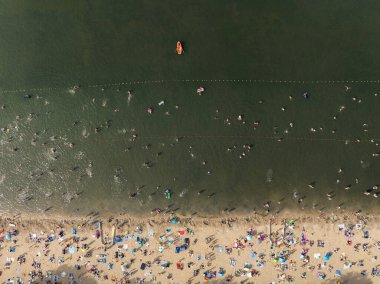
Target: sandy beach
column 175, row 249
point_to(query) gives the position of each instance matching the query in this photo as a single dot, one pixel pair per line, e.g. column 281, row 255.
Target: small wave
column 24, row 196
column 270, row 175
column 79, row 155
column 68, row 197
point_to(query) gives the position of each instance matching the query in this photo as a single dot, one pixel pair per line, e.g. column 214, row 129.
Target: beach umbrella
column 8, row 237
column 72, row 249
column 249, row 237
column 282, row 259
column 142, row 266
column 338, row 272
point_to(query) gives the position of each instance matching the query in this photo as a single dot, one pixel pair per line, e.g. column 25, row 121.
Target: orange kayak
column 179, row 48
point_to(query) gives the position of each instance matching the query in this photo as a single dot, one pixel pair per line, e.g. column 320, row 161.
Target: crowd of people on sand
column 177, row 250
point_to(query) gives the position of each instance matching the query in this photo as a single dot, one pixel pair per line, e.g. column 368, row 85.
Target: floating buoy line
column 158, row 82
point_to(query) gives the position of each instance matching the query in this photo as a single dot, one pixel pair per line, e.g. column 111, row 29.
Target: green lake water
column 191, row 143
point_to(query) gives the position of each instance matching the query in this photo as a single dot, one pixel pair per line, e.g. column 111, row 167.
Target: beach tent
column 142, row 266
column 164, row 265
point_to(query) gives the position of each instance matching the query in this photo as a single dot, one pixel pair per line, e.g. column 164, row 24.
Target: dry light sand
column 210, row 238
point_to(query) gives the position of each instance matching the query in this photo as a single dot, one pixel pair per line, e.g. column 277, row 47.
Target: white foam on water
column 89, row 172
column 2, row 178
column 23, row 196
column 116, row 179
column 183, row 192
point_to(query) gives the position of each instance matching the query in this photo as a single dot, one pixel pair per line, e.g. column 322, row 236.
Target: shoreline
column 258, row 217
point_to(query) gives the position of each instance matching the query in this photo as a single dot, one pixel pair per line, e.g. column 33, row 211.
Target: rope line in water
column 146, row 82
column 263, row 138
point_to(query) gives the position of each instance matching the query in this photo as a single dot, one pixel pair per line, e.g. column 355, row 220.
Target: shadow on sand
column 352, row 277
column 84, row 276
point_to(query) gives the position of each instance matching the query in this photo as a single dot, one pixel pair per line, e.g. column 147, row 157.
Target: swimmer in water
column 130, row 96
column 312, row 185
